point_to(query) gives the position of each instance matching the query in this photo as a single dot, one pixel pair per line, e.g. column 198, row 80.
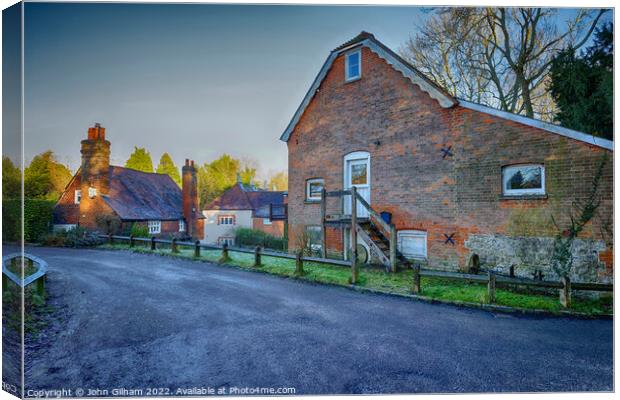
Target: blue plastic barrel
column 387, row 217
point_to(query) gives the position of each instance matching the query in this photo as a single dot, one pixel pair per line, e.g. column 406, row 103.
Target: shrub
column 74, row 237
column 37, row 219
column 255, row 237
column 139, row 230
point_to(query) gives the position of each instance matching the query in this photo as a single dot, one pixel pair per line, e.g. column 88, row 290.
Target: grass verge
column 397, row 283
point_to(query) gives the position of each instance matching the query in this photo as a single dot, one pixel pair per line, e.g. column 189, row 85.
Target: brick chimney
column 190, row 200
column 95, row 175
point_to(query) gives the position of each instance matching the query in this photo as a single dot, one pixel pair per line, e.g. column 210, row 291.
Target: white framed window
column 523, row 180
column 353, row 65
column 154, row 227
column 181, row 225
column 314, row 189
column 77, row 197
column 315, row 234
column 92, row 192
column 225, row 239
column 266, row 221
column 226, row 220
column 412, row 243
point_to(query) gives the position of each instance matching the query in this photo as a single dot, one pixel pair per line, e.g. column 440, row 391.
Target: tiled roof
column 242, row 197
column 136, row 195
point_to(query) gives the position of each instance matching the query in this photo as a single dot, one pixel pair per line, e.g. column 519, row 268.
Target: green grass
column 400, row 283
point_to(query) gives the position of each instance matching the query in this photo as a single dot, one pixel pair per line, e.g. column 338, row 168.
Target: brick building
column 244, row 206
column 105, row 197
column 456, row 178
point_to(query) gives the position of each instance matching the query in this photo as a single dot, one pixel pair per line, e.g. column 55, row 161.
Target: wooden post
column 257, row 260
column 174, row 248
column 225, row 256
column 491, row 288
column 565, row 292
column 197, row 249
column 153, row 245
column 393, row 247
column 353, row 256
column 131, row 241
column 110, row 239
column 417, row 289
column 299, row 265
column 323, row 228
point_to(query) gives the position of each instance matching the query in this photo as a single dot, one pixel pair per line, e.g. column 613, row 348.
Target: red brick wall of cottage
column 276, row 228
column 404, row 130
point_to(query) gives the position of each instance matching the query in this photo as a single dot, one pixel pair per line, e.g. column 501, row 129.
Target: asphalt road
column 136, row 321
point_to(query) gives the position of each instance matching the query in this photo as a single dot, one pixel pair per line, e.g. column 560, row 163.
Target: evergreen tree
column 11, row 179
column 45, row 178
column 140, row 160
column 582, row 86
column 167, row 166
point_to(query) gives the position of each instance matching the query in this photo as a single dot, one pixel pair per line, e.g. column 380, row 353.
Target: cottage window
column 412, row 243
column 266, row 221
column 314, row 235
column 181, row 225
column 225, row 239
column 154, row 227
column 92, row 192
column 78, row 197
column 353, row 67
column 226, row 220
column 523, row 180
column 314, row 189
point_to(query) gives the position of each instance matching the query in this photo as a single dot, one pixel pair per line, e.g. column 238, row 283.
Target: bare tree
column 497, row 56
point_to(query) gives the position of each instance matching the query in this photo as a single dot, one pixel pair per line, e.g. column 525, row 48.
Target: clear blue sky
column 193, row 80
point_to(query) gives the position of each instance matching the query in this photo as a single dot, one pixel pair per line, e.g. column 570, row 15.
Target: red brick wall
column 276, row 228
column 404, row 129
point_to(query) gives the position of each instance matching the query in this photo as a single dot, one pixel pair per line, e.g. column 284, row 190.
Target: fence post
column 353, row 256
column 225, row 256
column 153, row 246
column 416, row 279
column 393, row 247
column 131, row 240
column 565, row 292
column 174, row 248
column 323, row 217
column 257, row 260
column 299, row 265
column 197, row 249
column 491, row 288
column 110, row 239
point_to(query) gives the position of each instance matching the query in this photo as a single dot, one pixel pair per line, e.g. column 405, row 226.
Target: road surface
column 134, row 321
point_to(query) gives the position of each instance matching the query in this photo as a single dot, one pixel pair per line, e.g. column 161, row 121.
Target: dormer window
column 353, row 65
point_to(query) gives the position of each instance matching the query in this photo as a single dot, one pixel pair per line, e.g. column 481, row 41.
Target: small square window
column 523, row 180
column 78, row 197
column 314, row 189
column 353, row 65
column 154, row 227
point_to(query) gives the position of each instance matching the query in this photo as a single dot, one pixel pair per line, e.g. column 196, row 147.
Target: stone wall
column 531, row 254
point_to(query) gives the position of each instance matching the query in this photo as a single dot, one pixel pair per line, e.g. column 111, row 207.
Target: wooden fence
column 491, row 279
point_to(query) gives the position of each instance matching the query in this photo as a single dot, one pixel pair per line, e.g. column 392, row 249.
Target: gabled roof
column 242, row 197
column 368, row 40
column 136, row 195
column 445, row 100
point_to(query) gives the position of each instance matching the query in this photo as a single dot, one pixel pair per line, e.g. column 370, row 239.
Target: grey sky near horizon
column 196, row 80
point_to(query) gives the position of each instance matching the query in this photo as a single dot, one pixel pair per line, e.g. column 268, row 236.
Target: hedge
column 255, row 237
column 37, row 219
